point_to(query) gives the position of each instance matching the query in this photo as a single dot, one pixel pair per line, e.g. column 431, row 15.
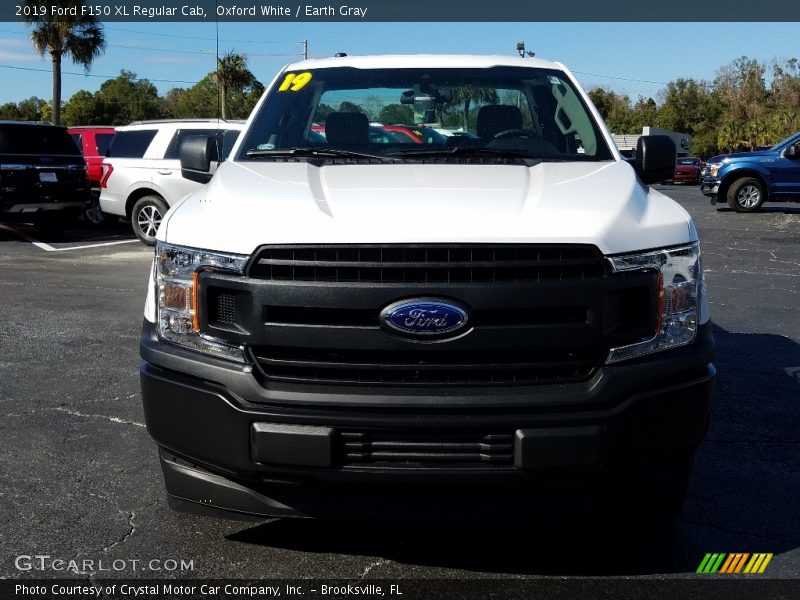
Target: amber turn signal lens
column 195, row 301
column 176, row 296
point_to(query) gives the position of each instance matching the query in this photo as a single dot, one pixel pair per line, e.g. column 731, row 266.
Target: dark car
column 687, row 170
column 748, row 179
column 93, row 141
column 42, row 175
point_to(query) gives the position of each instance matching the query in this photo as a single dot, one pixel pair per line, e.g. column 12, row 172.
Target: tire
column 93, row 215
column 146, row 218
column 746, row 195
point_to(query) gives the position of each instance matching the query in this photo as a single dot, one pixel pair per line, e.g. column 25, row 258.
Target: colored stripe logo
column 736, row 562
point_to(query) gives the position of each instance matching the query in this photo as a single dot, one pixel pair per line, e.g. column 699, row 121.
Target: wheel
column 746, row 195
column 93, row 214
column 146, row 218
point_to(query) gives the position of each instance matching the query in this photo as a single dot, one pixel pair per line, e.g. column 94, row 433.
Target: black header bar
column 423, row 11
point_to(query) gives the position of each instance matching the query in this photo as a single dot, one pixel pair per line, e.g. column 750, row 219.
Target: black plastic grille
column 439, row 263
column 226, row 309
column 538, row 314
column 416, row 367
column 418, row 449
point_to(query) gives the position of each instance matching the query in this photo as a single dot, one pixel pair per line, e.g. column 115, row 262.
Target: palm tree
column 78, row 37
column 468, row 94
column 231, row 74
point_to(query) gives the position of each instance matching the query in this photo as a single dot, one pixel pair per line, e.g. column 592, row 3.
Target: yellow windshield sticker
column 294, row 82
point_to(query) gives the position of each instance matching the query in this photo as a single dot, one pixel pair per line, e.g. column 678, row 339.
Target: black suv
column 42, row 174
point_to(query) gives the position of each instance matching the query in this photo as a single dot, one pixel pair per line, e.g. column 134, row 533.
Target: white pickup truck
column 504, row 322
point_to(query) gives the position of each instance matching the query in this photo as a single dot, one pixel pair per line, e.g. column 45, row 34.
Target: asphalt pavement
column 79, row 476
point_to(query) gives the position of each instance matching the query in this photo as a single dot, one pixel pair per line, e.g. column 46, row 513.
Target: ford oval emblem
column 424, row 317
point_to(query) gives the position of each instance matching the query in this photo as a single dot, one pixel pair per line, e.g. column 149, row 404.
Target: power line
column 621, row 78
column 96, row 75
column 189, row 52
column 162, row 50
column 194, row 37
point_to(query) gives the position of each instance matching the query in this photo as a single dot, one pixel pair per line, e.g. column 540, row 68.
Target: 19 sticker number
column 294, row 82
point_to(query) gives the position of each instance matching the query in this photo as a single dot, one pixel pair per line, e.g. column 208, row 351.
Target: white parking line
column 49, row 248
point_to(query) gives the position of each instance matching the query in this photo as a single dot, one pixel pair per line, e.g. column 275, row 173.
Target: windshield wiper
column 469, row 151
column 322, row 153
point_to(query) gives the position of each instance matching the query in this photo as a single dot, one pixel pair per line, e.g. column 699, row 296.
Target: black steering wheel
column 507, row 133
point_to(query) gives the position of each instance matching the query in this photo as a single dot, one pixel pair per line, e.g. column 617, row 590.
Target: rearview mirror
column 407, row 97
column 655, row 158
column 197, row 153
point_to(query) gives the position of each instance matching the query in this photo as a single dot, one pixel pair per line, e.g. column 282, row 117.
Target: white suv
column 142, row 172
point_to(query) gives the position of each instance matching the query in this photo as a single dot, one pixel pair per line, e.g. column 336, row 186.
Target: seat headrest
column 494, row 118
column 347, row 128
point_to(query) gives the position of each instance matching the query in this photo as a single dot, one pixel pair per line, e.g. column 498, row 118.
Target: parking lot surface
column 79, row 476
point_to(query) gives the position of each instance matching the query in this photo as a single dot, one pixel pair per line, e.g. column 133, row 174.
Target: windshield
column 786, row 141
column 518, row 111
column 36, row 139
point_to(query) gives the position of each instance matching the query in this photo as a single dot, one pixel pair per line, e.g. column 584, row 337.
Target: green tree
column 127, row 98
column 686, row 106
column 785, row 86
column 348, row 106
column 79, row 38
column 31, row 109
column 604, row 100
column 232, row 74
column 84, row 108
column 742, row 89
column 241, row 102
column 202, row 100
column 10, row 112
column 396, row 114
column 468, row 95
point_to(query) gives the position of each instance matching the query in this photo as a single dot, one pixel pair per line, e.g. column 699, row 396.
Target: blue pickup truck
column 748, row 179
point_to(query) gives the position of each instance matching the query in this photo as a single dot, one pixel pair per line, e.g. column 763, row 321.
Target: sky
column 633, row 58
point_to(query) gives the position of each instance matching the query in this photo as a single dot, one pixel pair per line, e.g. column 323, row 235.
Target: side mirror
column 197, row 153
column 793, row 151
column 655, row 158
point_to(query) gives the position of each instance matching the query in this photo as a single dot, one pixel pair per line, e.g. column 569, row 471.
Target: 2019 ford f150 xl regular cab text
column 488, row 324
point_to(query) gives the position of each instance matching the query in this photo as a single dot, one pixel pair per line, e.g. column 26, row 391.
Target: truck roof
column 406, row 61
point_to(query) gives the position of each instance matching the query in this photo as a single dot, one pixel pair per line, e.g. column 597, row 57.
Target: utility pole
column 305, row 49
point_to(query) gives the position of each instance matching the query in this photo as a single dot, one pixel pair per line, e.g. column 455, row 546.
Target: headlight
column 679, row 281
column 177, row 272
column 713, row 168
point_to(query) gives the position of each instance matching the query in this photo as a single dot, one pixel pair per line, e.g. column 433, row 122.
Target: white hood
column 248, row 204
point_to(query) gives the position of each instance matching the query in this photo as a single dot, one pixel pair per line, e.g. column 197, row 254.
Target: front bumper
column 710, row 186
column 229, row 444
column 37, row 209
column 684, row 177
